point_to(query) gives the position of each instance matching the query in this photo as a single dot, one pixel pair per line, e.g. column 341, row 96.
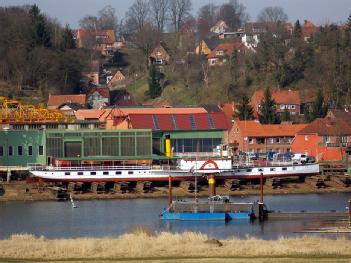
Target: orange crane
column 14, row 111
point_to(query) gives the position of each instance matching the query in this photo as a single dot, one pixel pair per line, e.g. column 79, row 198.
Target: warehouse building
column 23, row 147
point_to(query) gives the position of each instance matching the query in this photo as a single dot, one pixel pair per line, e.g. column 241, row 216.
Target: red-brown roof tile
column 57, row 100
column 280, row 96
column 328, row 126
column 255, row 129
column 228, row 49
column 104, row 92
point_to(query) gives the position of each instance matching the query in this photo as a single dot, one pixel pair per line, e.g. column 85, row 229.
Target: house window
column 270, row 140
column 251, row 140
column 10, row 151
column 306, row 138
column 19, row 150
column 260, row 141
column 343, row 139
column 30, row 150
column 41, row 150
column 293, row 107
column 277, row 140
column 282, row 106
column 219, row 53
column 326, row 139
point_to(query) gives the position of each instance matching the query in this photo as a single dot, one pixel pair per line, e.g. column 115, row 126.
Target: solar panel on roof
column 155, row 122
column 210, row 121
column 192, row 122
column 174, row 122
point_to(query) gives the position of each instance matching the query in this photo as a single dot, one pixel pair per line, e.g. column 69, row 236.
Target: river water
column 102, row 218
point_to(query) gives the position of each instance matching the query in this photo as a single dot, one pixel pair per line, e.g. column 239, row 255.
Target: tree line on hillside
column 35, row 51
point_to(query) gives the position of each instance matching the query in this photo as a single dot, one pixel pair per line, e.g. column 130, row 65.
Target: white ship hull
column 116, row 174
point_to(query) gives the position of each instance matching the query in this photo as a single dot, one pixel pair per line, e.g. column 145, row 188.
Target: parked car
column 299, row 157
column 310, row 159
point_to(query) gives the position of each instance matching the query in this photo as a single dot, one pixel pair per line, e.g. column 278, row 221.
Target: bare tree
column 273, row 14
column 206, row 18
column 180, row 10
column 107, row 18
column 137, row 15
column 159, row 13
column 233, row 13
column 89, row 22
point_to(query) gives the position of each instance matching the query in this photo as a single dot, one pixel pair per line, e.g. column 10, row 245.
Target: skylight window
column 174, row 122
column 192, row 122
column 210, row 121
column 155, row 122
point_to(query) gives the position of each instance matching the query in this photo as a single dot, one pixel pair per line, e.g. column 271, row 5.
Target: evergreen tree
column 155, row 88
column 67, row 39
column 244, row 109
column 297, row 30
column 286, row 116
column 268, row 114
column 319, row 108
column 40, row 30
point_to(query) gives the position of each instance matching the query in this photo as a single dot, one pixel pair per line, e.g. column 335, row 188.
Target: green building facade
column 21, row 147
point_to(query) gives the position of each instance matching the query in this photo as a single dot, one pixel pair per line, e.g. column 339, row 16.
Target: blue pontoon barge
column 216, row 208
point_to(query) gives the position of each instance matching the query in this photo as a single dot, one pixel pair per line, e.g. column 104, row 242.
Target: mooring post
column 260, row 204
column 169, row 190
column 8, row 179
column 211, row 185
column 349, row 212
column 261, row 187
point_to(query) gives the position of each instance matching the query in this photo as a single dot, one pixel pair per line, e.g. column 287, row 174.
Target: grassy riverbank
column 168, row 247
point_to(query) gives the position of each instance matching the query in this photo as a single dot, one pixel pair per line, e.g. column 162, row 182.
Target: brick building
column 251, row 136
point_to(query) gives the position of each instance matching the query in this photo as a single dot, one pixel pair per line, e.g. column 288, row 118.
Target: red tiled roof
column 227, row 48
column 104, row 92
column 57, row 100
column 106, row 36
column 229, row 109
column 328, row 126
column 255, row 129
column 280, row 96
column 128, row 111
column 308, row 29
column 89, row 114
column 182, row 121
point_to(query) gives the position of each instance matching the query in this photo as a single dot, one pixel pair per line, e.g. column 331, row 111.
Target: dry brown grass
column 189, row 245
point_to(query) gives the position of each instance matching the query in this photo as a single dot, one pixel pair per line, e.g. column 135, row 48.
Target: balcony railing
column 335, row 144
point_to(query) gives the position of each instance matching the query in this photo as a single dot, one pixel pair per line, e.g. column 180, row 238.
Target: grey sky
column 319, row 11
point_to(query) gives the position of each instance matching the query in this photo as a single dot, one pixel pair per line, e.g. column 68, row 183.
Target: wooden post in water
column 261, row 187
column 349, row 212
column 169, row 190
column 211, row 185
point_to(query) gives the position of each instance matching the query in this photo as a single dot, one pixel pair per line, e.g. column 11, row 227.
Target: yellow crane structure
column 14, row 111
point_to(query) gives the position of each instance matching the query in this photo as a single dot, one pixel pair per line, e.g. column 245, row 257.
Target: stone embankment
column 21, row 190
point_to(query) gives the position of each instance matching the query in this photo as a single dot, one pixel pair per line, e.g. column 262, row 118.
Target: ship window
column 272, row 169
column 260, row 170
column 210, row 121
column 92, row 173
column 130, row 172
column 67, row 173
column 248, row 170
column 118, row 172
column 105, row 173
column 19, row 150
column 80, row 173
column 284, row 169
